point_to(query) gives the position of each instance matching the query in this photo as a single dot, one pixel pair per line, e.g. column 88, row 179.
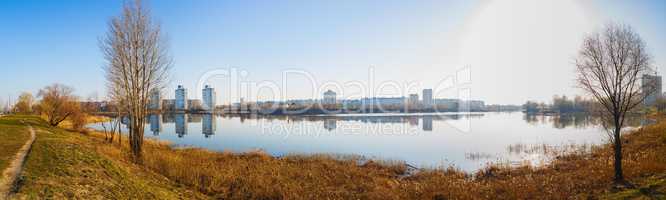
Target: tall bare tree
column 609, row 67
column 137, row 62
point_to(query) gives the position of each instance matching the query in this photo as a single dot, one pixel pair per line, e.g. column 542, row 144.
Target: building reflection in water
column 330, row 124
column 181, row 124
column 413, row 121
column 208, row 125
column 155, row 124
column 194, row 118
column 126, row 121
column 427, row 123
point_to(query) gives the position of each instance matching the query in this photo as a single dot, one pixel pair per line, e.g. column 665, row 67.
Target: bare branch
column 138, row 61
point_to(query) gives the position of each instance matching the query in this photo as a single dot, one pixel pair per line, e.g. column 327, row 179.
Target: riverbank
column 66, row 164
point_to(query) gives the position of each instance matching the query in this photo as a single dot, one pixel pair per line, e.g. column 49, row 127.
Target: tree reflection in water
column 577, row 120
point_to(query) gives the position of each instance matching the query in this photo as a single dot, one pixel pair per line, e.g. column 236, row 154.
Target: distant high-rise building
column 427, row 98
column 242, row 106
column 208, row 98
column 181, row 98
column 413, row 99
column 155, row 100
column 329, row 97
column 651, row 85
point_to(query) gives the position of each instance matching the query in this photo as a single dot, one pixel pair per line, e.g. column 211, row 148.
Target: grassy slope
column 13, row 136
column 65, row 165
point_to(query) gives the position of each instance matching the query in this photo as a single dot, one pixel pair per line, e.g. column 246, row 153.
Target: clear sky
column 514, row 50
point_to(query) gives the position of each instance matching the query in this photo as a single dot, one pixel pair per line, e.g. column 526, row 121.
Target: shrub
column 78, row 120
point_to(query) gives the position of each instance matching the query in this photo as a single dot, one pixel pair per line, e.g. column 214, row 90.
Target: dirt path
column 10, row 175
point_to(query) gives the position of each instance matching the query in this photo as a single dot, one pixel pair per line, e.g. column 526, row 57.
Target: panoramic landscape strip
column 491, row 99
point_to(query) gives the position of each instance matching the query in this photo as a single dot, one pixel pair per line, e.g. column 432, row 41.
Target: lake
column 468, row 141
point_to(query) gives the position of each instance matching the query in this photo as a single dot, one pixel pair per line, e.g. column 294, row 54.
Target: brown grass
column 581, row 173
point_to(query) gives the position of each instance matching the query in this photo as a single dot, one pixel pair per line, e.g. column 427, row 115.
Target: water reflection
column 194, row 118
column 181, row 125
column 181, row 121
column 330, row 121
column 427, row 140
column 208, row 125
column 413, row 121
column 578, row 121
column 155, row 124
column 330, row 124
column 427, row 123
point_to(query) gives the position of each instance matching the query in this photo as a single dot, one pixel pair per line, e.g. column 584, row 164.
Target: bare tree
column 113, row 124
column 137, row 62
column 24, row 103
column 57, row 103
column 609, row 67
column 3, row 106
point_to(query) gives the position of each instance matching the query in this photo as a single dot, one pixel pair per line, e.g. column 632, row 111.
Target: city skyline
column 266, row 39
column 208, row 99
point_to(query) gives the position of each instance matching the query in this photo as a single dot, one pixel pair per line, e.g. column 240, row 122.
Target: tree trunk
column 136, row 137
column 619, row 177
column 120, row 134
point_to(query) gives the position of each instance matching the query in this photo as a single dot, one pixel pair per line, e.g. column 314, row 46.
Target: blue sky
column 44, row 42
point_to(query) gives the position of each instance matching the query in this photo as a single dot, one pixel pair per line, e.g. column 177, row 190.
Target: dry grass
column 578, row 173
column 256, row 175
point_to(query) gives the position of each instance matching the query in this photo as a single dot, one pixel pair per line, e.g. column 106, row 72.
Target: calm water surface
column 467, row 141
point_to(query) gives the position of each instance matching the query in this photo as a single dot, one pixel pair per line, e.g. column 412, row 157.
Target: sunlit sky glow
column 516, row 50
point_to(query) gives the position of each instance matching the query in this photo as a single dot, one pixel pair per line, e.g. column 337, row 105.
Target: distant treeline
column 560, row 104
column 503, row 108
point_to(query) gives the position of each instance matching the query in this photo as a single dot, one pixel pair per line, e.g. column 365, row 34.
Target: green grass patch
column 14, row 135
